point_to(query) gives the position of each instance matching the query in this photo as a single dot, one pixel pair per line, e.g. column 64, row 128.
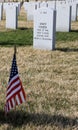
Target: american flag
column 15, row 94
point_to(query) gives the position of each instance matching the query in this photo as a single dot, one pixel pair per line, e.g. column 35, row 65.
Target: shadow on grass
column 7, row 44
column 74, row 31
column 18, row 118
column 68, row 49
column 22, row 28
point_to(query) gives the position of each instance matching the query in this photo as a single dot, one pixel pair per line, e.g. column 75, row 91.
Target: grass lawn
column 50, row 79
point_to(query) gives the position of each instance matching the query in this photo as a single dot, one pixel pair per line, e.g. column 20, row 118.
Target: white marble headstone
column 43, row 4
column 11, row 17
column 51, row 4
column 18, row 5
column 8, row 4
column 44, row 29
column 74, row 12
column 30, row 11
column 26, row 6
column 29, row 8
column 73, row 5
column 63, row 18
column 1, row 11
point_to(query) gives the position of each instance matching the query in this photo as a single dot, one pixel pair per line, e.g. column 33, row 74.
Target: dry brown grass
column 50, row 79
column 74, row 25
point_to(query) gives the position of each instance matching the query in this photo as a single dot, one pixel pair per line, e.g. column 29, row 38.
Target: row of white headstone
column 67, row 11
column 30, row 6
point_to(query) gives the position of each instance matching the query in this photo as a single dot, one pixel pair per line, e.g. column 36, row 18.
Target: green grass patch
column 67, row 36
column 24, row 36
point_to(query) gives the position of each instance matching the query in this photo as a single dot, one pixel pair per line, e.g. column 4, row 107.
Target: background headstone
column 29, row 8
column 8, row 4
column 43, row 4
column 1, row 11
column 63, row 18
column 11, row 17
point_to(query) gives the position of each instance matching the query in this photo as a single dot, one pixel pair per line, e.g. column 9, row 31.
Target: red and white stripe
column 15, row 93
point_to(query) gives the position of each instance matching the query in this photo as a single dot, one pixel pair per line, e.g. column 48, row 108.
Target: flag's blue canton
column 14, row 69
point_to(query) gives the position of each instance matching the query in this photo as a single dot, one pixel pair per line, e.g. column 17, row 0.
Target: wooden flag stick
column 15, row 54
column 15, row 49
